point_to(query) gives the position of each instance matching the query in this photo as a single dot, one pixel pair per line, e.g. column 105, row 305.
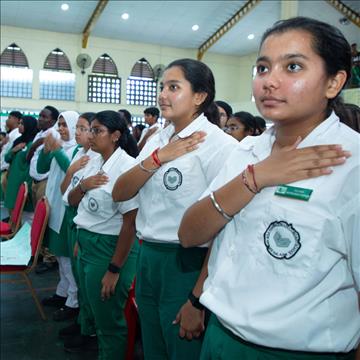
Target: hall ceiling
column 169, row 23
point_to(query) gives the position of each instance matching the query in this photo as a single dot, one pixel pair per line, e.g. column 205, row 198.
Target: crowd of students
column 250, row 243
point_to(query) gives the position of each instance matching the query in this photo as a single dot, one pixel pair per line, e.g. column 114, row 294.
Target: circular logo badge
column 75, row 180
column 172, row 179
column 93, row 205
column 282, row 241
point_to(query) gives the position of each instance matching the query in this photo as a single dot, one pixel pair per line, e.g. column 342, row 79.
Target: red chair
column 9, row 229
column 38, row 228
column 131, row 315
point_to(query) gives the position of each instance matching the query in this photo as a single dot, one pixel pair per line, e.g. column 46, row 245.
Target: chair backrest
column 38, row 227
column 21, row 197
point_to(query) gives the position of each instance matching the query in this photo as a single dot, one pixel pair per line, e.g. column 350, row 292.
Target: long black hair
column 114, row 121
column 201, row 79
column 89, row 116
column 30, row 130
column 248, row 120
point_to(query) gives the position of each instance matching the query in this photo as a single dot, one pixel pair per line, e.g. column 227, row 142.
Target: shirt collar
column 112, row 160
column 195, row 125
column 262, row 147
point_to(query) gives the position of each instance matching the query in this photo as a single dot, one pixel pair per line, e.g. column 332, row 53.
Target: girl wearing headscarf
column 55, row 158
column 19, row 168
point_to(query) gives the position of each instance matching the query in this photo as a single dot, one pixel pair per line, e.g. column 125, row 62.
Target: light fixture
column 125, row 16
column 251, row 36
column 195, row 27
column 64, row 7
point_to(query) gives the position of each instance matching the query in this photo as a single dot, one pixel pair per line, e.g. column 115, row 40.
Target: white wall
column 232, row 73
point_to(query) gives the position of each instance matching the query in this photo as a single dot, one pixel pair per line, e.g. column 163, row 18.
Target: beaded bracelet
column 219, row 208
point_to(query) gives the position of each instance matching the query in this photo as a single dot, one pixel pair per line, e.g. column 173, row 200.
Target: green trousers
column 85, row 318
column 221, row 344
column 166, row 274
column 110, row 322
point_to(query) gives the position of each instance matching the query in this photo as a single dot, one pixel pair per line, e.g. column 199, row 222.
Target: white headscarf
column 56, row 174
column 71, row 118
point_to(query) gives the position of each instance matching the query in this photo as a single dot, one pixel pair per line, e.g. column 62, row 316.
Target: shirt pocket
column 288, row 242
column 176, row 180
column 99, row 201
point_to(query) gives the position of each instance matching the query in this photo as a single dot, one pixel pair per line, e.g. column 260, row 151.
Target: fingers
column 177, row 319
column 294, row 145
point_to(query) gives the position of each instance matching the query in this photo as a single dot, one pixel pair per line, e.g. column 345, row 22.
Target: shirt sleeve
column 228, row 170
column 126, row 206
column 62, row 159
column 350, row 220
column 148, row 148
column 44, row 162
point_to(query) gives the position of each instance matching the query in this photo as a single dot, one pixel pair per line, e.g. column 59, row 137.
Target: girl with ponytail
column 173, row 170
column 106, row 231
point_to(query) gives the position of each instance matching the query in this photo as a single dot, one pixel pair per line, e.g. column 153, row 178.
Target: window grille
column 13, row 56
column 16, row 77
column 57, row 82
column 104, row 85
column 141, row 86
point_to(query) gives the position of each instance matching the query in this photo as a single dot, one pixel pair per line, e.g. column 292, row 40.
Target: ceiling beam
column 92, row 21
column 249, row 5
column 349, row 13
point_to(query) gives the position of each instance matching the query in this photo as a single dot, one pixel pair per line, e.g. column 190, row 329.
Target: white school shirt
column 33, row 163
column 178, row 184
column 284, row 273
column 77, row 176
column 97, row 212
column 143, row 133
column 13, row 135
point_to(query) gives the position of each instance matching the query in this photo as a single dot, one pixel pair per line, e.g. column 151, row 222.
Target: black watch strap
column 195, row 301
column 113, row 268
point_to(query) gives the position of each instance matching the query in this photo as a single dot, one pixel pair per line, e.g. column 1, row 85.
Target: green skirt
column 58, row 242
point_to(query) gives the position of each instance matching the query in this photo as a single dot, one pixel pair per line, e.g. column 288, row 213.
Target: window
column 57, row 82
column 141, row 86
column 104, row 85
column 16, row 77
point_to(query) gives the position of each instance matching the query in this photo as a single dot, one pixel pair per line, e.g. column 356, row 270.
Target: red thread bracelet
column 245, row 182
column 251, row 170
column 155, row 157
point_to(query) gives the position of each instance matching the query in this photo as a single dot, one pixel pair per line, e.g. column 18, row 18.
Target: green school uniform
column 18, row 172
column 96, row 251
column 161, row 293
column 56, row 242
column 221, row 344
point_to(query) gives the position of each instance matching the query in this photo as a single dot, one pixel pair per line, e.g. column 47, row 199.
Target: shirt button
column 232, row 250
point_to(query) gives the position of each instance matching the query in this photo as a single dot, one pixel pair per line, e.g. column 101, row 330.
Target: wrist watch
column 114, row 268
column 195, row 301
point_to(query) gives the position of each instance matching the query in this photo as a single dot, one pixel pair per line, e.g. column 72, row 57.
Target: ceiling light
column 195, row 27
column 125, row 16
column 64, row 7
column 251, row 36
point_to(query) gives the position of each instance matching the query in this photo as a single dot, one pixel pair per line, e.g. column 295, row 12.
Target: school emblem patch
column 282, row 241
column 172, row 179
column 93, row 205
column 75, row 180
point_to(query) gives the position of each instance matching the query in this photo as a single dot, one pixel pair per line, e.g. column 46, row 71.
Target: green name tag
column 293, row 192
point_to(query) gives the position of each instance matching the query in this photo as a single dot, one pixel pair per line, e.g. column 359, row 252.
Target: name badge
column 293, row 192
